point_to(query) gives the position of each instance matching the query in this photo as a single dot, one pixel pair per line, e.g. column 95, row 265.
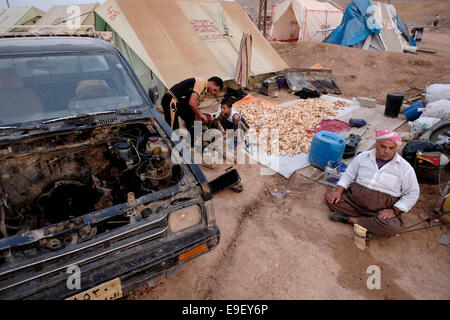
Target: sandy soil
column 369, row 73
column 437, row 40
column 287, row 248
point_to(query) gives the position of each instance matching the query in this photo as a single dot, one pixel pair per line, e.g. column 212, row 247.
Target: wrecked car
column 91, row 205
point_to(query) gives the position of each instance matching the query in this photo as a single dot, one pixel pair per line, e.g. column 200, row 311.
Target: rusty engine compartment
column 56, row 178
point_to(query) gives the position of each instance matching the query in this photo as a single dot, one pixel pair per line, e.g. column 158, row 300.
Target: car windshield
column 42, row 87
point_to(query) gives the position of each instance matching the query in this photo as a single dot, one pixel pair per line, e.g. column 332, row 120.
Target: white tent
column 390, row 37
column 66, row 18
column 305, row 20
column 167, row 41
column 18, row 16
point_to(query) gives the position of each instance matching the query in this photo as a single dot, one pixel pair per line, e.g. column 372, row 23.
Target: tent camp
column 66, row 18
column 304, row 20
column 19, row 16
column 167, row 41
column 372, row 25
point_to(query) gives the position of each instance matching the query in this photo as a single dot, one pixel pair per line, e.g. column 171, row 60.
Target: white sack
column 437, row 92
column 438, row 109
column 423, row 124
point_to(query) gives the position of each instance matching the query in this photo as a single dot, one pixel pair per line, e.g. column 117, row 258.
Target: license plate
column 110, row 290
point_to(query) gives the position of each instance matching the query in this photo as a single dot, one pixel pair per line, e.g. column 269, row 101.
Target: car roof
column 27, row 45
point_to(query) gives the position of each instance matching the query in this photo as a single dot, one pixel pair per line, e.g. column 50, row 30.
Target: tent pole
column 265, row 17
column 7, row 3
column 262, row 16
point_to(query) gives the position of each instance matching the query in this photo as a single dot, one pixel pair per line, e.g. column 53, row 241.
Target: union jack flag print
column 204, row 26
column 206, row 29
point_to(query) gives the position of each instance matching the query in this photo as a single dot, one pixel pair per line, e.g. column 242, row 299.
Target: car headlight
column 184, row 218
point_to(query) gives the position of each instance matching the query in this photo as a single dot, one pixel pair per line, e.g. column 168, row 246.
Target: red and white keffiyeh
column 383, row 134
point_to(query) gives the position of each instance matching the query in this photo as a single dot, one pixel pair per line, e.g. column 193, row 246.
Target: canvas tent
column 168, row 41
column 304, row 20
column 66, row 18
column 18, row 16
column 372, row 25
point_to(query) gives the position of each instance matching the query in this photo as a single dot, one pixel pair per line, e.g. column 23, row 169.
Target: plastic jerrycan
column 326, row 146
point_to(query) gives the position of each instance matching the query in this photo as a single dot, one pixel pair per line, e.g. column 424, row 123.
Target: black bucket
column 394, row 102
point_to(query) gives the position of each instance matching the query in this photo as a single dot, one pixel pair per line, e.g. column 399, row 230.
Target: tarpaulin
column 286, row 165
column 405, row 32
column 251, row 99
column 314, row 79
column 357, row 24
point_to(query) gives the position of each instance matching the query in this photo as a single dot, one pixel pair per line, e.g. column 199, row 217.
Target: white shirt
column 232, row 113
column 396, row 178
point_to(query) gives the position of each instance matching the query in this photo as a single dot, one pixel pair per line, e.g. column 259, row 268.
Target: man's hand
column 204, row 118
column 386, row 214
column 335, row 195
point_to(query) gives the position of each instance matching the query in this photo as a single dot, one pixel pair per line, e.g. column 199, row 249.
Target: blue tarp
column 357, row 24
column 405, row 32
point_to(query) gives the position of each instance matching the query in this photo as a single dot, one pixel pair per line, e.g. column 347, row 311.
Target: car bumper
column 146, row 259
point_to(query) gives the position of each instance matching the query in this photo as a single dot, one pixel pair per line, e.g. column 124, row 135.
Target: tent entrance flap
column 291, row 29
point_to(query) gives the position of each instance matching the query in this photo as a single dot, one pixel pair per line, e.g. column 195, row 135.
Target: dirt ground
column 287, row 248
column 369, row 73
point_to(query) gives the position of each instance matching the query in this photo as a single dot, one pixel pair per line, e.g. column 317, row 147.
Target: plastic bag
column 438, row 109
column 423, row 124
column 437, row 92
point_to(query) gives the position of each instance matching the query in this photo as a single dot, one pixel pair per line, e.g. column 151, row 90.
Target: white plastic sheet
column 286, row 165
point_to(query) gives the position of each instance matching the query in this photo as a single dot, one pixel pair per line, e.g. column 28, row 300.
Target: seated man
column 376, row 188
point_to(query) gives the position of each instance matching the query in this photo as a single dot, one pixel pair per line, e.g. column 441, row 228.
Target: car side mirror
column 153, row 93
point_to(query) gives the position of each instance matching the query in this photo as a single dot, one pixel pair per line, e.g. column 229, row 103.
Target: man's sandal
column 338, row 217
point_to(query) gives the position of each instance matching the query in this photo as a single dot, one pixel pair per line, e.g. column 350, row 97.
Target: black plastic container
column 394, row 102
